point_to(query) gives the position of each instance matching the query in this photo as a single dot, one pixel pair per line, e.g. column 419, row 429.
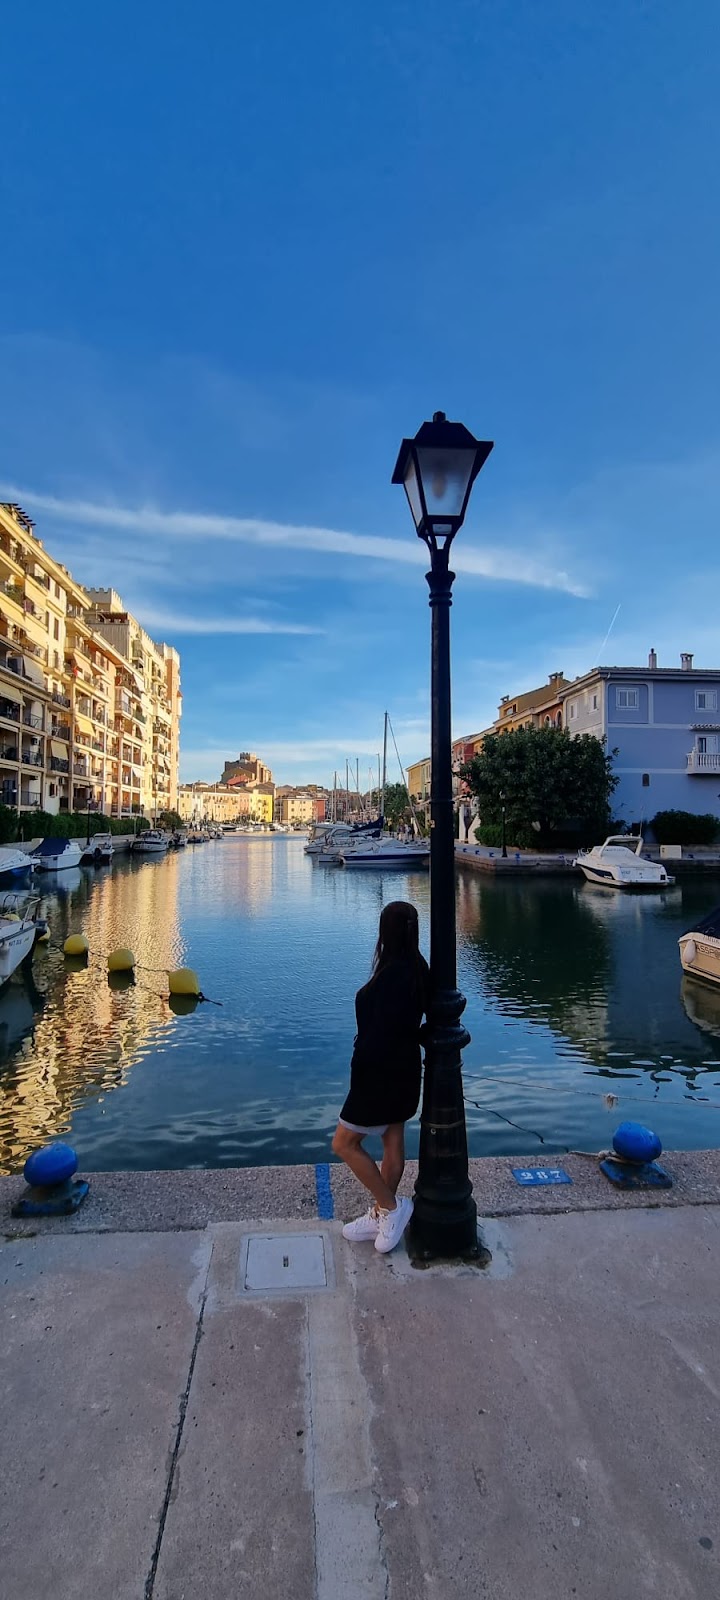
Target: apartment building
column 662, row 728
column 73, row 710
column 148, row 704
column 248, row 769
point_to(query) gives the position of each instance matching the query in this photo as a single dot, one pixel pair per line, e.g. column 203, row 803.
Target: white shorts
column 355, row 1127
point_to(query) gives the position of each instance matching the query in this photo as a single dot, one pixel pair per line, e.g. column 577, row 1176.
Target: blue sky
column 245, row 251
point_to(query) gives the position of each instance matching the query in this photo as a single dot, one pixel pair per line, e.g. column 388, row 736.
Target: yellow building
column 85, row 716
column 148, row 703
column 298, row 809
column 262, row 800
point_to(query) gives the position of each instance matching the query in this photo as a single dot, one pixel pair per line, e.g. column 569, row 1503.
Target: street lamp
column 504, row 845
column 437, row 470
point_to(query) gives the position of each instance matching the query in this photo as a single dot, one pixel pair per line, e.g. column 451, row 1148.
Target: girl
column 385, row 1074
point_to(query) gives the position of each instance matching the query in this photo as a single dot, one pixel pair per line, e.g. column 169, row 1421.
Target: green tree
column 397, row 805
column 554, row 788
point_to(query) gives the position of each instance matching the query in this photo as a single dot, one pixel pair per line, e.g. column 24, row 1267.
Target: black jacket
column 385, row 1071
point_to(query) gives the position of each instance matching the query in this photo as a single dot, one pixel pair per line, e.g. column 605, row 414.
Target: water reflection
column 570, row 994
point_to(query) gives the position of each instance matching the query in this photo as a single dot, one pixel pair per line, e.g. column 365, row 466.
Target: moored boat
column 700, row 949
column 56, row 855
column 151, row 842
column 98, row 849
column 388, row 852
column 14, row 864
column 614, row 865
column 17, row 936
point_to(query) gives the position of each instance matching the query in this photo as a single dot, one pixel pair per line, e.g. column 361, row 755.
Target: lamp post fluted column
column 444, row 1223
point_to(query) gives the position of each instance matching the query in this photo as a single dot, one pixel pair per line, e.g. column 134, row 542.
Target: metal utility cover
column 286, row 1261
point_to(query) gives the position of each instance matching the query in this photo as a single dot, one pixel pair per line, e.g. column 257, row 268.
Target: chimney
column 652, row 660
column 686, row 661
column 555, row 677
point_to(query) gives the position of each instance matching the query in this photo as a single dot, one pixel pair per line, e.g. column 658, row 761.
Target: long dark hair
column 399, row 940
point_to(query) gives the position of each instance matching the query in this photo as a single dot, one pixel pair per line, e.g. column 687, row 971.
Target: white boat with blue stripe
column 613, row 865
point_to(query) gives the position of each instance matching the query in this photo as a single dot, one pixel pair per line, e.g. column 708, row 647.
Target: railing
column 31, row 720
column 32, row 610
column 30, row 797
column 80, row 770
column 32, row 758
column 97, row 744
column 57, row 764
column 13, row 590
column 61, row 700
column 60, row 730
column 10, row 710
column 83, row 706
column 9, row 752
column 38, row 577
column 703, row 761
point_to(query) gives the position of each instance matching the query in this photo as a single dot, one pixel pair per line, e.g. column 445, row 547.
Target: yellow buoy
column 76, row 945
column 43, row 938
column 184, row 981
column 121, row 961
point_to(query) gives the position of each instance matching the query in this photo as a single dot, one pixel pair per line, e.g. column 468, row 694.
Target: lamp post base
column 434, row 1237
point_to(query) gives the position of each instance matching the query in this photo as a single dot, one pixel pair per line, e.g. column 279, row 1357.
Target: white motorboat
column 14, row 864
column 98, row 849
column 387, row 852
column 17, row 937
column 56, row 855
column 151, row 843
column 700, row 949
column 615, row 866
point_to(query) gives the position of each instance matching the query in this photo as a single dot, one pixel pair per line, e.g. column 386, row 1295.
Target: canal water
column 573, row 994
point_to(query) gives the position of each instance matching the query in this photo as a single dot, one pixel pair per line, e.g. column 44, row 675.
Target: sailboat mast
column 384, row 767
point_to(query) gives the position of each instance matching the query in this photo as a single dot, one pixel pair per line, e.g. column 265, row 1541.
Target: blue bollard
column 634, row 1164
column 53, row 1190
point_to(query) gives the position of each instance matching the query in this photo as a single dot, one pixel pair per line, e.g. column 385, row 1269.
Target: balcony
column 32, row 758
column 31, row 720
column 701, row 761
column 9, row 710
column 61, row 700
column 80, row 769
column 9, row 752
column 60, row 730
column 97, row 744
column 31, row 798
column 13, row 592
column 58, row 765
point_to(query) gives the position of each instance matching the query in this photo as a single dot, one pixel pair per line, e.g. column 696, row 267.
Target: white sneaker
column 393, row 1225
column 364, row 1227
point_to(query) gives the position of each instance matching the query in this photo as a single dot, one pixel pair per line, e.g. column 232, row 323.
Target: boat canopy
column 53, row 846
column 709, row 925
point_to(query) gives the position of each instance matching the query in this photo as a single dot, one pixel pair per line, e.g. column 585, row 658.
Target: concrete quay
column 189, row 1409
column 548, row 863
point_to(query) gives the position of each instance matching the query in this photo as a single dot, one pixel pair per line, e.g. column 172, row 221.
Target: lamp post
column 437, row 470
column 504, row 845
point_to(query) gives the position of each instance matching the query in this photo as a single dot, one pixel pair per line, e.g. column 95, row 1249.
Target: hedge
column 64, row 825
column 685, row 827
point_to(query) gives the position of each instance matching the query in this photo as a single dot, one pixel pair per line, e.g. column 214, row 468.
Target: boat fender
column 184, row 981
column 690, row 952
column 120, row 961
column 43, row 937
column 11, row 916
column 76, row 945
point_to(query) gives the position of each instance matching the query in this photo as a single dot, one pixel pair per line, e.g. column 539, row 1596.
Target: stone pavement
column 548, row 1427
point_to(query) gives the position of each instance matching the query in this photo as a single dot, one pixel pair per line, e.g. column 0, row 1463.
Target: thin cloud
column 508, row 566
column 170, row 622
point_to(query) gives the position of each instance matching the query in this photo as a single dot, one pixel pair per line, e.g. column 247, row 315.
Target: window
column 706, row 699
column 594, row 702
column 56, row 629
column 646, row 780
column 572, row 710
column 53, row 790
column 626, row 699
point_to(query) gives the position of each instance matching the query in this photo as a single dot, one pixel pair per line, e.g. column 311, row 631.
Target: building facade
column 148, row 702
column 247, row 770
column 77, row 723
column 661, row 726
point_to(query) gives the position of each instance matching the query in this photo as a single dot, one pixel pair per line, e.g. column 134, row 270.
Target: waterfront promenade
column 176, row 1426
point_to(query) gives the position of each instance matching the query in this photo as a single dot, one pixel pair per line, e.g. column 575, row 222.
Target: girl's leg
column 348, row 1146
column 393, row 1161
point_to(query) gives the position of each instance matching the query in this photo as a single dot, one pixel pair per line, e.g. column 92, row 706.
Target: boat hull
column 700, row 958
column 605, row 880
column 14, row 947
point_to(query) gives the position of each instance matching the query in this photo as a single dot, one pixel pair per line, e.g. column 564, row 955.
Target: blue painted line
column 325, row 1207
